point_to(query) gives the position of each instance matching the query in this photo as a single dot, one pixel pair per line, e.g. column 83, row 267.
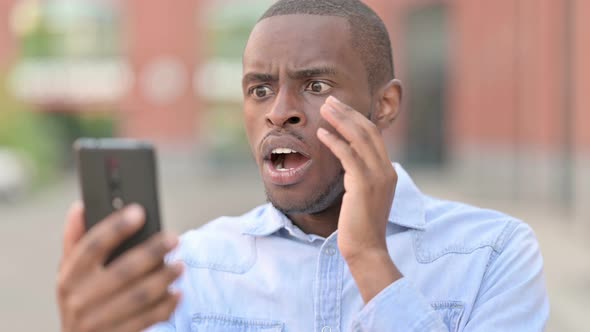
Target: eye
column 260, row 91
column 318, row 87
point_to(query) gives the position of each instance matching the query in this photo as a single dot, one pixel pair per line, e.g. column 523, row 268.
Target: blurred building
column 494, row 90
column 496, row 94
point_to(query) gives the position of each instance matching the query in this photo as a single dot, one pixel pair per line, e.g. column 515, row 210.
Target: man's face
column 291, row 64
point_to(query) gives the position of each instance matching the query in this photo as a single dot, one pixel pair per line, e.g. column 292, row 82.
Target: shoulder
column 220, row 244
column 453, row 227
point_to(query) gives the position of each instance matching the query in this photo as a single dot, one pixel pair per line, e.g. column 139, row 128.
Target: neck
column 323, row 223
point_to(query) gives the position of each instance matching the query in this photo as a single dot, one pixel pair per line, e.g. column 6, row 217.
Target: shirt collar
column 407, row 211
column 408, row 208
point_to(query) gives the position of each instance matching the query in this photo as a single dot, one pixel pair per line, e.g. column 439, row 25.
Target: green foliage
column 29, row 134
column 230, row 25
column 44, row 139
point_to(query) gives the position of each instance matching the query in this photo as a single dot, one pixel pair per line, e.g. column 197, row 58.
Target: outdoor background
column 496, row 113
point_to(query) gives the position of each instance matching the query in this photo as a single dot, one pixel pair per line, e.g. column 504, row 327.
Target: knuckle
column 96, row 244
column 157, row 247
column 148, row 320
column 166, row 309
column 170, row 275
column 371, row 188
column 140, row 296
column 391, row 176
column 354, row 153
column 162, row 313
column 123, row 271
column 364, row 135
column 119, row 225
column 63, row 286
column 85, row 326
column 173, row 271
column 75, row 306
column 372, row 128
column 340, row 149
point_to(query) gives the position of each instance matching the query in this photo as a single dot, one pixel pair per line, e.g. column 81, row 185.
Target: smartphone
column 114, row 173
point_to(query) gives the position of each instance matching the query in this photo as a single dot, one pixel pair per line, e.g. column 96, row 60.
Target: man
column 347, row 242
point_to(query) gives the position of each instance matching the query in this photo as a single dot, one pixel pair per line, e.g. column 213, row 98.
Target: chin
column 289, row 201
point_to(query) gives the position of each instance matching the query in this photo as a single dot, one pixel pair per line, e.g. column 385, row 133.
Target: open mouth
column 285, row 159
column 286, row 166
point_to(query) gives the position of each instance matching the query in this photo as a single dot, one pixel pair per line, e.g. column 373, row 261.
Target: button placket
column 329, row 287
column 330, row 251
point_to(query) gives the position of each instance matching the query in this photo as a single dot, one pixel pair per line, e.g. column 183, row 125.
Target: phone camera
column 118, row 203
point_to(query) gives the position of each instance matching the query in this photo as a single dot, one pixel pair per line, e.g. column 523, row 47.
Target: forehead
column 299, row 41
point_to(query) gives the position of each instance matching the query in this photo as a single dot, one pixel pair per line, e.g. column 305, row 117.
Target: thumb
column 74, row 228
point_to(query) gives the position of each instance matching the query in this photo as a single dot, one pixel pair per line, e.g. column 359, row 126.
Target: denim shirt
column 464, row 268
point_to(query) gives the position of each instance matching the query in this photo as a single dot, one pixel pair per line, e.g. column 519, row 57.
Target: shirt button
column 326, row 329
column 330, row 251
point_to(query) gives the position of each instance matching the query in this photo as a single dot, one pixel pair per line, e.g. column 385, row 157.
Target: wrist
column 358, row 254
column 373, row 270
column 368, row 258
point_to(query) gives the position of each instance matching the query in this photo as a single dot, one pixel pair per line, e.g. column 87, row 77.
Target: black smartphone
column 114, row 173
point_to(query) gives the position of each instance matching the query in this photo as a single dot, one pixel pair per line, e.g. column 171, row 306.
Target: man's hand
column 369, row 181
column 129, row 294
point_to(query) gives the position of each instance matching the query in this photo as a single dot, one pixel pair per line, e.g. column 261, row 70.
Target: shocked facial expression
column 291, row 64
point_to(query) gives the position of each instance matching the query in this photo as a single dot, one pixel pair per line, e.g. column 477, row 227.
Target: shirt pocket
column 226, row 323
column 451, row 312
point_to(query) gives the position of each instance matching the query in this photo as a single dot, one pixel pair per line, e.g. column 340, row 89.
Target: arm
column 513, row 295
column 392, row 303
column 514, row 274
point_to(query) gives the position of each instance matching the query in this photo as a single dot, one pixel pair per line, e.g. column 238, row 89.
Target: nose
column 286, row 111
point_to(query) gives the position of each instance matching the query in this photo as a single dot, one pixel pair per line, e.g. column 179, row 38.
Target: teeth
column 281, row 167
column 283, row 151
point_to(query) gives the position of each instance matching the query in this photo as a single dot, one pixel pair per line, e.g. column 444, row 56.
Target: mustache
column 282, row 132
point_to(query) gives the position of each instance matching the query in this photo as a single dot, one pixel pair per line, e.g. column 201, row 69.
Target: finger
column 74, row 228
column 95, row 246
column 343, row 151
column 159, row 312
column 126, row 269
column 359, row 131
column 73, row 232
column 141, row 296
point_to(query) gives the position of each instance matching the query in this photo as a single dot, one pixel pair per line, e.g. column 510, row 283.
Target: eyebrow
column 296, row 75
column 312, row 72
column 259, row 77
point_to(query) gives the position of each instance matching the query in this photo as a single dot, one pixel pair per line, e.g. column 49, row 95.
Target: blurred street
column 31, row 229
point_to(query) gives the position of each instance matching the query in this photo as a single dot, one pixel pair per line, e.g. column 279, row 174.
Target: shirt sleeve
column 399, row 307
column 169, row 325
column 512, row 296
column 161, row 327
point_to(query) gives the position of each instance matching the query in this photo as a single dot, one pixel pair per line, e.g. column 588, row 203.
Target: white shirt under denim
column 465, row 269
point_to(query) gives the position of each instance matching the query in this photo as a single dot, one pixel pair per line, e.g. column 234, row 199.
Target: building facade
column 495, row 91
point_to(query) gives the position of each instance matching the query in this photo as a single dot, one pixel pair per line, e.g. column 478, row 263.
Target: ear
column 388, row 104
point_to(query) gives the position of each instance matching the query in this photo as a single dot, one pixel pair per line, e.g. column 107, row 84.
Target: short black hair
column 369, row 35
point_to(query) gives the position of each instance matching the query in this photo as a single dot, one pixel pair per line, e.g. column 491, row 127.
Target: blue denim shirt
column 465, row 269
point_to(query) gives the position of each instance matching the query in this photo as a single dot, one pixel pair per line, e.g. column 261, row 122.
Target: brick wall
column 164, row 47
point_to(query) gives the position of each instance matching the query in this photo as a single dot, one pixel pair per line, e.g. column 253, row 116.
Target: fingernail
column 133, row 214
column 333, row 99
column 330, row 108
column 322, row 131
